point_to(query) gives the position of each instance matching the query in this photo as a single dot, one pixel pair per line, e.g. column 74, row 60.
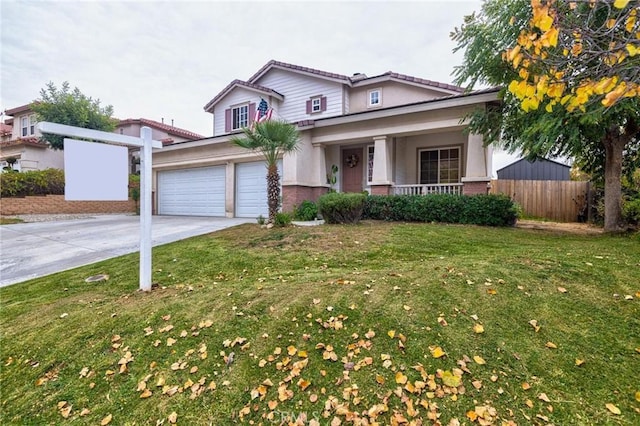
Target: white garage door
column 192, row 192
column 251, row 189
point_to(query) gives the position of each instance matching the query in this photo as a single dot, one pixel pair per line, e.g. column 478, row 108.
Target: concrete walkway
column 31, row 250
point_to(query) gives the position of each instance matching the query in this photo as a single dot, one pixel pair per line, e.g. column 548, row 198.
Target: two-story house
column 21, row 147
column 21, row 140
column 387, row 134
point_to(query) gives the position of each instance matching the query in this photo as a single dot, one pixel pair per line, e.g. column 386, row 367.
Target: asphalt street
column 31, row 250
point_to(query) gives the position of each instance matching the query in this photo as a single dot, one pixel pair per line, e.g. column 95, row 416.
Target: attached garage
column 192, row 192
column 251, row 189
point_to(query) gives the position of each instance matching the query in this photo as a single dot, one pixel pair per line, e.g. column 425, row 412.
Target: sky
column 167, row 59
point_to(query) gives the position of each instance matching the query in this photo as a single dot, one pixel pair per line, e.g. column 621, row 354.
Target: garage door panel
column 192, row 192
column 251, row 189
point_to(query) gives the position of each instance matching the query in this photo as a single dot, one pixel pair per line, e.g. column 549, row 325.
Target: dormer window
column 239, row 117
column 316, row 104
column 374, row 98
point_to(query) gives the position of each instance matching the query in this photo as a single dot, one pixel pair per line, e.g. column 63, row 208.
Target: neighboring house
column 21, row 140
column 388, row 134
column 160, row 131
column 540, row 169
column 23, row 143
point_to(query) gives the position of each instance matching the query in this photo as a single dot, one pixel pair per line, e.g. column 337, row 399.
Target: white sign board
column 95, row 171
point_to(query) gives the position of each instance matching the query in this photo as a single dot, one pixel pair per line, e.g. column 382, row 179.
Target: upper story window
column 374, row 98
column 28, row 126
column 316, row 104
column 239, row 117
column 24, row 126
column 439, row 166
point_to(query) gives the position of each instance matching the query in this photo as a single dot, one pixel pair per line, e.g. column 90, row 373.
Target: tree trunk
column 273, row 191
column 614, row 146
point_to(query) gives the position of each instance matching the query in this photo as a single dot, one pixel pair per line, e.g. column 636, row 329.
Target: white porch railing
column 443, row 188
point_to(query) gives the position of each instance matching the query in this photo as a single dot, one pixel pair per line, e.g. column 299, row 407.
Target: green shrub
column 492, row 210
column 307, row 210
column 341, row 207
column 282, row 219
column 261, row 220
column 35, row 182
column 631, row 211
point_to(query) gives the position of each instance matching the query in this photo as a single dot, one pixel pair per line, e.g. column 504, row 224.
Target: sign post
column 145, row 143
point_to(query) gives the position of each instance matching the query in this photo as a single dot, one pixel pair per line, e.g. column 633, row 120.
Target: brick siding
column 56, row 204
column 475, row 188
column 380, row 189
column 293, row 195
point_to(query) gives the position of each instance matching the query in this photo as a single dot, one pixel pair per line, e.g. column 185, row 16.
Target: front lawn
column 334, row 325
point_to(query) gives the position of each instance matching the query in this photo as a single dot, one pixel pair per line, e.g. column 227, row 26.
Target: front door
column 352, row 170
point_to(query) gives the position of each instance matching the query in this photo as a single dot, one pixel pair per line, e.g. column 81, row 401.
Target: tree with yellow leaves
column 570, row 72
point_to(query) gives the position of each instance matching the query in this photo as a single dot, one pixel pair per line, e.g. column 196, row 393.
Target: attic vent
column 358, row 76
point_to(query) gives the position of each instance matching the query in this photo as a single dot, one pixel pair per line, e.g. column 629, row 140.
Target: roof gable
column 239, row 83
column 298, row 69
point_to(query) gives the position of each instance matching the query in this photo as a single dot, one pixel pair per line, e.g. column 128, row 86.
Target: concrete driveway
column 31, row 250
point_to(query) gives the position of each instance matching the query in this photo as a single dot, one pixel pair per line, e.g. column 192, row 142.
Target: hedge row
column 491, row 210
column 35, row 182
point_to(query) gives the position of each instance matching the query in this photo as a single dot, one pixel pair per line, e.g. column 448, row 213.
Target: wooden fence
column 562, row 201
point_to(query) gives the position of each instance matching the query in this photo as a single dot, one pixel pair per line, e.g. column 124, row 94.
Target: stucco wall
column 393, row 93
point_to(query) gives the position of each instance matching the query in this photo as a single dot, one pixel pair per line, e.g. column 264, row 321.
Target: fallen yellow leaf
column 613, row 408
column 551, row 345
column 579, row 362
column 638, row 396
column 526, row 386
column 145, row 394
column 401, row 378
column 106, row 420
column 391, row 333
column 437, row 352
column 479, row 360
column 173, row 418
column 478, row 328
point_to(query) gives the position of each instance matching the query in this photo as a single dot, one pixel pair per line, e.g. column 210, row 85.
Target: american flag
column 263, row 112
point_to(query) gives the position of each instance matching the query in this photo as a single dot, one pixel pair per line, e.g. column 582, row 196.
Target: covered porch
column 414, row 150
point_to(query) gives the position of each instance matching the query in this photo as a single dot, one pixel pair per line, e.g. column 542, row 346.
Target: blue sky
column 167, row 59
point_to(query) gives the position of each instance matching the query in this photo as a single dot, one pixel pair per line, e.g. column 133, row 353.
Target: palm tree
column 272, row 138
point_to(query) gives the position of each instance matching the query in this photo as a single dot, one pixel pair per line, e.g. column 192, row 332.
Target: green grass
column 307, row 288
column 9, row 220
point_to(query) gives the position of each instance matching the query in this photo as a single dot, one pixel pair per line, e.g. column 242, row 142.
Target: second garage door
column 251, row 189
column 192, row 192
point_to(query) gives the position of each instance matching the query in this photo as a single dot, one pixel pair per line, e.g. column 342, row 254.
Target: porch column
column 304, row 173
column 230, row 189
column 478, row 168
column 381, row 180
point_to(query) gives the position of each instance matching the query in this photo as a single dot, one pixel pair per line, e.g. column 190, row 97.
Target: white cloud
column 168, row 59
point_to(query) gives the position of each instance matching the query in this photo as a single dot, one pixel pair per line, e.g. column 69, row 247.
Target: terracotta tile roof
column 5, row 129
column 273, row 63
column 18, row 110
column 31, row 141
column 424, row 81
column 172, row 130
column 248, row 85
